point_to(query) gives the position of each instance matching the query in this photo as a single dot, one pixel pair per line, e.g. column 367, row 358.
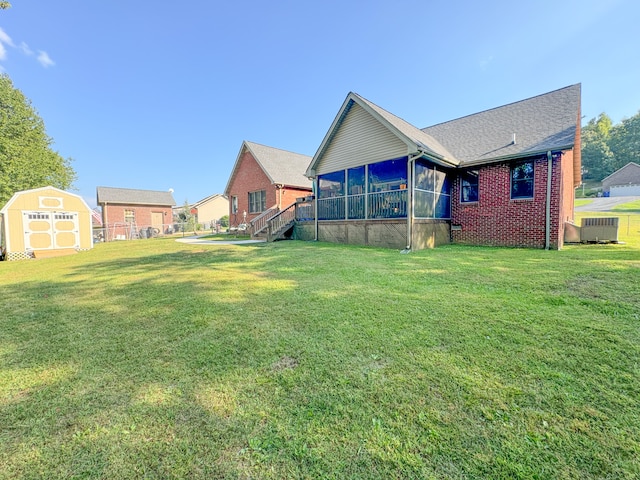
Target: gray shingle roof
column 130, row 196
column 281, row 166
column 541, row 123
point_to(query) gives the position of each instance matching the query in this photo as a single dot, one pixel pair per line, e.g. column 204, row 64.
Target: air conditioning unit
column 599, row 229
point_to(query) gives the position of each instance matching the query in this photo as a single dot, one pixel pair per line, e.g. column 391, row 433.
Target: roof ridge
column 275, row 148
column 502, row 106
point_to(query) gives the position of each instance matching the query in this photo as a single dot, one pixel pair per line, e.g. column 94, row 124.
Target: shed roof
column 280, row 166
column 129, row 196
column 17, row 195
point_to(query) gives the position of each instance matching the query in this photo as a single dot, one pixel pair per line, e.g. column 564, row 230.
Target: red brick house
column 504, row 177
column 264, row 180
column 129, row 213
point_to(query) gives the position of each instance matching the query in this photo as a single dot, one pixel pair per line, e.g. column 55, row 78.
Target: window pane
column 331, row 184
column 356, row 180
column 424, row 176
column 469, row 182
column 424, row 207
column 331, row 208
column 389, row 175
column 356, row 206
column 388, row 204
column 441, row 182
column 522, row 180
column 443, row 206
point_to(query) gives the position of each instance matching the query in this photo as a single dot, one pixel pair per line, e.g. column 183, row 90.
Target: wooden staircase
column 275, row 224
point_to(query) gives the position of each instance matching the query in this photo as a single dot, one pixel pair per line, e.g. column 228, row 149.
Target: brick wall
column 114, row 214
column 249, row 177
column 498, row 220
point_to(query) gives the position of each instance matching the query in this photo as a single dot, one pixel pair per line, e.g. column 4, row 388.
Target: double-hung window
column 522, row 180
column 129, row 216
column 469, row 186
column 257, row 201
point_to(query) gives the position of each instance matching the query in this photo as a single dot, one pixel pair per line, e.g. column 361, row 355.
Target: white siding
column 624, row 190
column 361, row 139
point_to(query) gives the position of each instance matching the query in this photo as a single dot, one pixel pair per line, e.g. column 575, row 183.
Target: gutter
column 514, row 156
column 315, row 207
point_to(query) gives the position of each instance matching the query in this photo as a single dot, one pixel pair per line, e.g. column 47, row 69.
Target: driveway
column 605, row 204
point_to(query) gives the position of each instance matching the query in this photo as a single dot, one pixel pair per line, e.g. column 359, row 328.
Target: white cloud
column 44, row 59
column 25, row 49
column 5, row 39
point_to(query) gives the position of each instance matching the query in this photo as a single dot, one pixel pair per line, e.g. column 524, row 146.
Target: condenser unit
column 599, row 229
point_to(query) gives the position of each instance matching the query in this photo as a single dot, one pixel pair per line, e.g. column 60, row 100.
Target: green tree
column 625, row 142
column 186, row 218
column 26, row 157
column 5, row 4
column 597, row 158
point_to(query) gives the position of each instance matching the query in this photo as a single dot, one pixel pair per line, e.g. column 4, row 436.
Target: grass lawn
column 579, row 202
column 157, row 359
column 629, row 207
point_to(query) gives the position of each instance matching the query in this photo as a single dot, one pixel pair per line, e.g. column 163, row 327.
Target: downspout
column 106, row 222
column 315, row 207
column 547, row 240
column 410, row 206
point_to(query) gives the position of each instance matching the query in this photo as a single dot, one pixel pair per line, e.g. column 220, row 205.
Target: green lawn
column 156, row 359
column 629, row 207
column 579, row 202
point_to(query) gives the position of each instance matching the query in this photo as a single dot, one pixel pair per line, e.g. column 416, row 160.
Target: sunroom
column 380, row 181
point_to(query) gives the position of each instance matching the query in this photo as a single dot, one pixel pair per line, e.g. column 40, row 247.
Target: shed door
column 49, row 230
column 156, row 220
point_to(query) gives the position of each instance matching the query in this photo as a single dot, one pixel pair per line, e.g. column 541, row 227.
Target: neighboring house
column 264, row 180
column 129, row 213
column 210, row 210
column 505, row 176
column 623, row 182
column 44, row 222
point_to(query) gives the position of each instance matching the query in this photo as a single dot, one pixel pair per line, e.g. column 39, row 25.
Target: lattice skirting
column 19, row 256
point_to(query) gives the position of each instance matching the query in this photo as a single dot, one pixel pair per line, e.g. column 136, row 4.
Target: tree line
column 607, row 147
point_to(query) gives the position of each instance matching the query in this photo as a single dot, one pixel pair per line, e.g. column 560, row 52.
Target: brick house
column 503, row 177
column 623, row 182
column 129, row 213
column 263, row 181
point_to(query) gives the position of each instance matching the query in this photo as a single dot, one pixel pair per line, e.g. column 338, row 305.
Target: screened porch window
column 331, row 196
column 356, row 192
column 432, row 194
column 388, row 189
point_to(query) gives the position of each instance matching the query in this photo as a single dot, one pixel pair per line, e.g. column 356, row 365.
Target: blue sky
column 158, row 95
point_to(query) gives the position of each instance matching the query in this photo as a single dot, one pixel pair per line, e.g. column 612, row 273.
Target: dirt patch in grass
column 284, row 363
